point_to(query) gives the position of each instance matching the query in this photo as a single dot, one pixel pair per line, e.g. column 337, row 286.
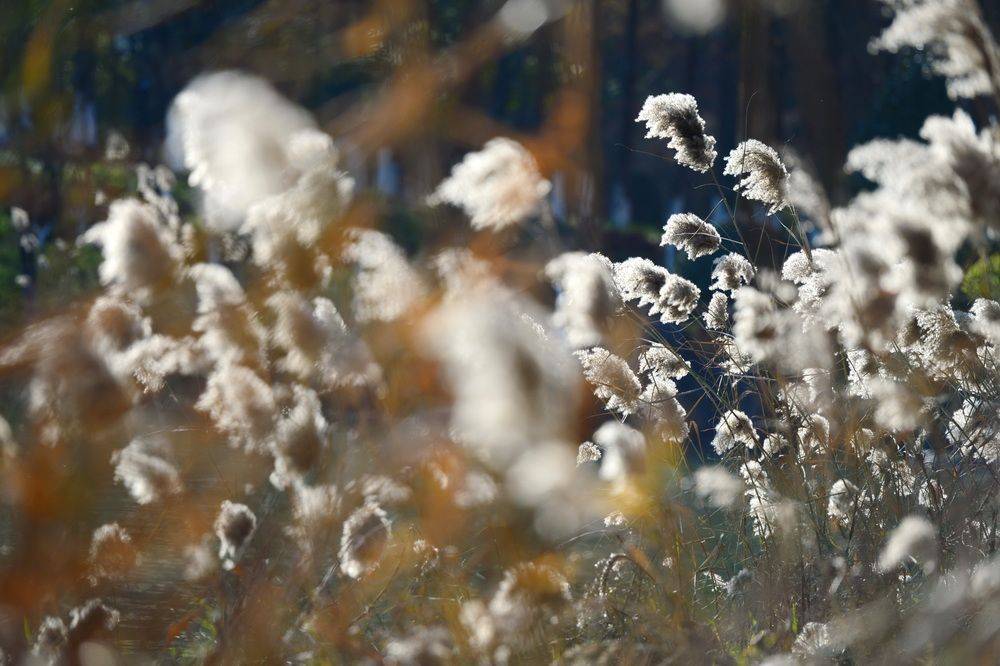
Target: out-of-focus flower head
column 242, row 142
column 497, row 187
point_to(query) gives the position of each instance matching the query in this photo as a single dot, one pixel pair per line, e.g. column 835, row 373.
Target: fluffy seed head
column 915, row 537
column 497, row 187
column 692, row 234
column 764, row 176
column 365, row 534
column 675, row 117
column 235, row 526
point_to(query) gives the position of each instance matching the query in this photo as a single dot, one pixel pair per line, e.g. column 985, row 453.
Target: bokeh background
column 406, row 88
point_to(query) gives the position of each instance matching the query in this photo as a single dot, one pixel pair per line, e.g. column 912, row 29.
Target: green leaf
column 982, row 279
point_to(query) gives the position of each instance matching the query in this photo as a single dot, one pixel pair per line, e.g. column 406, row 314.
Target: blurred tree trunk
column 628, row 111
column 757, row 112
column 586, row 182
column 816, row 92
column 596, row 90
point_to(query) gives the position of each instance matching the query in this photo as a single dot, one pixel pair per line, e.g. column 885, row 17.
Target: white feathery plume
column 235, row 526
column 623, row 451
column 514, row 386
column 317, row 345
column 717, row 313
column 658, row 406
column 770, row 334
column 242, row 405
column 671, row 297
column 762, row 174
column 421, row 645
column 283, row 226
column 145, row 469
column 716, row 485
column 975, row 428
column 141, row 257
column 497, row 187
column 731, row 271
column 386, row 285
column 842, row 503
column 692, row 234
column 365, row 535
column 614, row 382
column 663, row 361
column 588, row 452
column 675, row 117
column 112, row 553
column 299, row 438
column 914, row 538
column 898, row 408
column 588, row 296
column 733, row 428
column 242, row 142
column 986, row 319
column 228, row 326
column 955, row 35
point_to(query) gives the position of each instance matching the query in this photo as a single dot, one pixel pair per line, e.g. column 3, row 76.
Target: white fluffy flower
column 668, row 295
column 421, row 645
column 717, row 313
column 764, row 505
column 768, row 333
column 914, row 538
column 663, row 361
column 19, row 219
column 623, row 450
column 140, row 254
column 842, row 502
column 385, row 286
column 317, row 345
column 731, row 271
column 365, row 535
column 544, row 478
column 986, row 319
column 114, row 325
column 614, row 382
column 285, row 226
column 733, row 428
column 718, row 486
column 815, row 644
column 954, row 33
column 144, row 468
column 299, row 438
column 50, row 639
column 216, row 287
column 588, row 296
column 764, row 176
column 235, row 526
column 496, row 187
column 897, row 406
column 242, row 405
column 528, row 594
column 153, row 359
column 658, row 406
column 242, row 142
column 112, row 553
column 692, row 234
column 975, row 427
column 675, row 117
column 460, row 270
column 588, row 452
column 514, row 386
